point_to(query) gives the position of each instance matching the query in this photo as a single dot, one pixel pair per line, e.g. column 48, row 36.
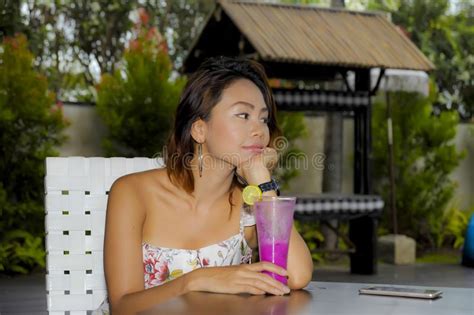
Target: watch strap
column 271, row 185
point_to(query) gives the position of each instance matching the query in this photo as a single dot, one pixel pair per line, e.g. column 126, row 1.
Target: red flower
column 148, row 266
column 162, row 272
column 152, row 33
column 205, row 261
column 135, row 45
column 164, row 46
column 143, row 16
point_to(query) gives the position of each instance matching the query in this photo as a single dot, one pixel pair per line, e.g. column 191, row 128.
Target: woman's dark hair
column 201, row 93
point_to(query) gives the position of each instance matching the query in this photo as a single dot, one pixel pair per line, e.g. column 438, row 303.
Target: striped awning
column 305, row 34
column 301, row 100
column 325, row 206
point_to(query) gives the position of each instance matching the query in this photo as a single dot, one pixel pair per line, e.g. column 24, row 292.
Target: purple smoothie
column 274, row 218
column 276, row 253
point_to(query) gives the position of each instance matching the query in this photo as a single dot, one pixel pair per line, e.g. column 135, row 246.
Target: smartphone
column 401, row 292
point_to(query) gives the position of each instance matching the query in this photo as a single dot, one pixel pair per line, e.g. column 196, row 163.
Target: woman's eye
column 244, row 115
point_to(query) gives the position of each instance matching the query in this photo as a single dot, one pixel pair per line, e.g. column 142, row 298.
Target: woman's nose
column 257, row 128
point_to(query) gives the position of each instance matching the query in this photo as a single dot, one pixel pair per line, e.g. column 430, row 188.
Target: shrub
column 293, row 127
column 452, row 228
column 30, row 128
column 424, row 157
column 137, row 102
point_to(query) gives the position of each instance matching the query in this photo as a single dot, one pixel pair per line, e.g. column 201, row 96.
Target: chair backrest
column 76, row 200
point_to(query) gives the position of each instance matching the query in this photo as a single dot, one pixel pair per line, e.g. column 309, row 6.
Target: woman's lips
column 256, row 149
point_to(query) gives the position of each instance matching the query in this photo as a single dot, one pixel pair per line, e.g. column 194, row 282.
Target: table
column 319, row 298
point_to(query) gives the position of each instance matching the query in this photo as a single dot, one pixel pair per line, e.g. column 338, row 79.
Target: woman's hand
column 258, row 168
column 238, row 279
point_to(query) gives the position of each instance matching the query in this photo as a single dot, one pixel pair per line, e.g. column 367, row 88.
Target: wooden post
column 362, row 231
column 391, row 164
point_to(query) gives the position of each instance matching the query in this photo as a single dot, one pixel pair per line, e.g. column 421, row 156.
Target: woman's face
column 237, row 128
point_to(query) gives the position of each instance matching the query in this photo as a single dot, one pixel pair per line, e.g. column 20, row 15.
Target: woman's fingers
column 267, row 159
column 266, row 285
column 246, row 288
column 268, row 266
column 240, row 279
column 270, row 157
column 264, row 281
column 272, row 282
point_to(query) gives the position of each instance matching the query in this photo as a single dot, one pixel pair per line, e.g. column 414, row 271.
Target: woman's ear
column 199, row 130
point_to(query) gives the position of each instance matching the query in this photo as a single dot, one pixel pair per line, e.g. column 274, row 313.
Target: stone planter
column 397, row 249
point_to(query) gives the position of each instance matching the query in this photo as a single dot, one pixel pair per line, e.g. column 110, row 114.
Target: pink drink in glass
column 274, row 216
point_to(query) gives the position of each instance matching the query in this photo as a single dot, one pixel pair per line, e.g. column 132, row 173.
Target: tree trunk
column 332, row 173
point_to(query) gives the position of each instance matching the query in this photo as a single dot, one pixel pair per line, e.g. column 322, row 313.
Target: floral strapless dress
column 161, row 264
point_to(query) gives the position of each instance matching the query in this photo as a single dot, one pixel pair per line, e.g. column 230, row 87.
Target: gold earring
column 200, row 158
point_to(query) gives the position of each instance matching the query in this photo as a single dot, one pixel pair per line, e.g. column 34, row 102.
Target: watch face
column 251, row 193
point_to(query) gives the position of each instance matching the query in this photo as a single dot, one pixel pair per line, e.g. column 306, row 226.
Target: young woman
column 184, row 227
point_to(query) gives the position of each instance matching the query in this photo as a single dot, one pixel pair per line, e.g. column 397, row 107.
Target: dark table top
column 319, row 298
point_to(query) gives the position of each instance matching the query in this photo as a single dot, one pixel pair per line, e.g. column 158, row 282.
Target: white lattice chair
column 76, row 199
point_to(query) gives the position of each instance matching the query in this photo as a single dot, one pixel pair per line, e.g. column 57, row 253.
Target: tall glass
column 274, row 217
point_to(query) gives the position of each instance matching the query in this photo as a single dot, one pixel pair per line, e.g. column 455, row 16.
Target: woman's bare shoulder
column 132, row 190
column 139, row 180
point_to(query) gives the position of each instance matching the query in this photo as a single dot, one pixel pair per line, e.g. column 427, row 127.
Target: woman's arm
column 300, row 263
column 123, row 261
column 229, row 279
column 123, row 256
column 122, row 246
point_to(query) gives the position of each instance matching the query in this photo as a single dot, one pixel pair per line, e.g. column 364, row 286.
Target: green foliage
column 76, row 41
column 10, row 18
column 453, row 226
column 21, row 252
column 137, row 102
column 424, row 157
column 446, row 37
column 293, row 127
column 183, row 21
column 30, row 129
column 439, row 258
